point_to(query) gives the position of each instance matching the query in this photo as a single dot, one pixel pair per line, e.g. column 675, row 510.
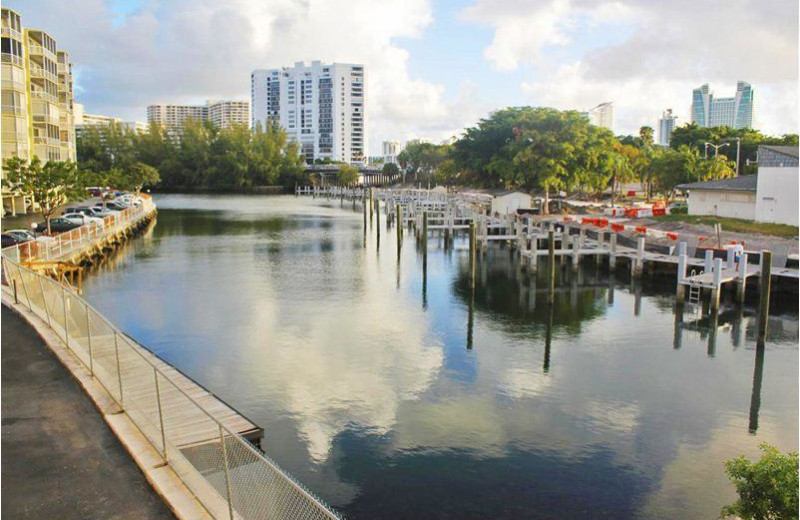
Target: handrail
column 228, row 475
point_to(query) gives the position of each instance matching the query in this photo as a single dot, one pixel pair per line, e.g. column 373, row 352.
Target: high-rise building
column 224, row 114
column 736, row 112
column 601, row 115
column 228, row 113
column 391, row 149
column 37, row 98
column 665, row 127
column 321, row 106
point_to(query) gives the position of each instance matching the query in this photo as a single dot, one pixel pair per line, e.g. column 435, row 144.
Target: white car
column 80, row 218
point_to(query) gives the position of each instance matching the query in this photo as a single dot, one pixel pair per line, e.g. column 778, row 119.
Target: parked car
column 111, row 205
column 23, row 233
column 82, row 219
column 57, row 225
column 7, row 240
column 15, row 237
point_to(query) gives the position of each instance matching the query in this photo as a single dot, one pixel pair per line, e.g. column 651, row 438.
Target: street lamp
column 716, row 148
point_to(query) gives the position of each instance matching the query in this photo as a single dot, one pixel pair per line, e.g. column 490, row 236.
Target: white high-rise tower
column 321, row 106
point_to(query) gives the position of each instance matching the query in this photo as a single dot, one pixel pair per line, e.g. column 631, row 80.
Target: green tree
column 767, row 488
column 646, row 136
column 51, row 184
column 391, row 169
column 347, row 175
column 669, row 168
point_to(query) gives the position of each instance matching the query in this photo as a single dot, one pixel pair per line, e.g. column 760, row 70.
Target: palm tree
column 620, row 169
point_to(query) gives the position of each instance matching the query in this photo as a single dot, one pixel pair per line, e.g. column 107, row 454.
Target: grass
column 734, row 224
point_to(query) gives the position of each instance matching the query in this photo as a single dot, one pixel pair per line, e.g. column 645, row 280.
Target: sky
column 435, row 67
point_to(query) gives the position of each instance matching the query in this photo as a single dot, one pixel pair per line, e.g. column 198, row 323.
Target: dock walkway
column 53, row 465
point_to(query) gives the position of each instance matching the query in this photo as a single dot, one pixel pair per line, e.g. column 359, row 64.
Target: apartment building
column 321, row 106
column 224, row 114
column 601, row 115
column 391, row 149
column 37, row 104
column 665, row 127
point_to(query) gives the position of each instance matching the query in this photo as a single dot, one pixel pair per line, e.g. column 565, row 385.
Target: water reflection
column 604, row 400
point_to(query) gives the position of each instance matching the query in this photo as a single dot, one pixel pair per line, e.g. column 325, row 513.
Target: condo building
column 224, row 114
column 322, row 106
column 37, row 104
column 391, row 149
column 736, row 112
column 665, row 127
column 84, row 120
column 601, row 115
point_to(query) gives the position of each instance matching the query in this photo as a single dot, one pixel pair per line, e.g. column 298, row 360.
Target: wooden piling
column 612, row 257
column 764, row 274
column 741, row 281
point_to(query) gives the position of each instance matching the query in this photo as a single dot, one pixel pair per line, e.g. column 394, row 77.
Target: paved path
column 60, row 460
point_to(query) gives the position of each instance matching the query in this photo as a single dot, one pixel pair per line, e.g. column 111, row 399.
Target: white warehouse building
column 770, row 196
column 321, row 106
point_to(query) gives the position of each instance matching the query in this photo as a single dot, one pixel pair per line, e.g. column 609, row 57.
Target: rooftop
column 791, row 151
column 741, row 183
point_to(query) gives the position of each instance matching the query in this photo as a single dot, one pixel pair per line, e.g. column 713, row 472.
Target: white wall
column 510, row 203
column 777, row 195
column 731, row 204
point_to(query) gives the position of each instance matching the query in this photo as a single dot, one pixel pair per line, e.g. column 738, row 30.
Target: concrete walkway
column 60, row 460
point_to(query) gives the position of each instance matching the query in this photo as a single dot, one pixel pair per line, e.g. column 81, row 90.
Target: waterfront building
column 37, row 91
column 391, row 149
column 770, row 196
column 223, row 113
column 602, row 115
column 321, row 106
column 665, row 127
column 736, row 112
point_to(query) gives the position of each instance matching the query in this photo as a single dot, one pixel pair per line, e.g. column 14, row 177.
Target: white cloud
column 192, row 50
column 647, row 56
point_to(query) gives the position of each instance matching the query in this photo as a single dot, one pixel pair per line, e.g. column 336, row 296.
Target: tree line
column 548, row 150
column 202, row 155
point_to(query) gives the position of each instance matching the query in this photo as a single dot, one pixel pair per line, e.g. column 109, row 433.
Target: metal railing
column 83, row 237
column 227, row 474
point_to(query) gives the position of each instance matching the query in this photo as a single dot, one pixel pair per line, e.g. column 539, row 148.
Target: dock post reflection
column 755, row 397
column 551, row 275
column 713, row 325
column 548, row 337
column 677, row 339
column 470, row 316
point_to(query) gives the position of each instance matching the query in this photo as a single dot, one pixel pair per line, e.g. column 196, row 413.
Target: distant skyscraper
column 665, row 127
column 736, row 112
column 601, row 115
column 321, row 106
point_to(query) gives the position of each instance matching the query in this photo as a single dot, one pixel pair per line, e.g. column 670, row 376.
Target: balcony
column 13, row 59
column 14, row 85
column 38, row 50
column 44, row 96
column 45, row 118
column 47, row 141
column 11, row 33
column 11, row 110
column 38, row 72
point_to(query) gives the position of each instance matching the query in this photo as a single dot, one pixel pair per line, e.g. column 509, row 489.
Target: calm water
column 395, row 395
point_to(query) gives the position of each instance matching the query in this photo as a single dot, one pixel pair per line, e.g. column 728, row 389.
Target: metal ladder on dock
column 694, row 291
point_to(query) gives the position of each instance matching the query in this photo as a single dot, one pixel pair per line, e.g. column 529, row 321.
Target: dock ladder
column 694, row 291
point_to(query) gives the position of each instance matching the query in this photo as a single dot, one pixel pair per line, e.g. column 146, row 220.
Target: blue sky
column 435, row 66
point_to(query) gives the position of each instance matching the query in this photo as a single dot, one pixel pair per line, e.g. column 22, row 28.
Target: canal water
column 391, row 389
